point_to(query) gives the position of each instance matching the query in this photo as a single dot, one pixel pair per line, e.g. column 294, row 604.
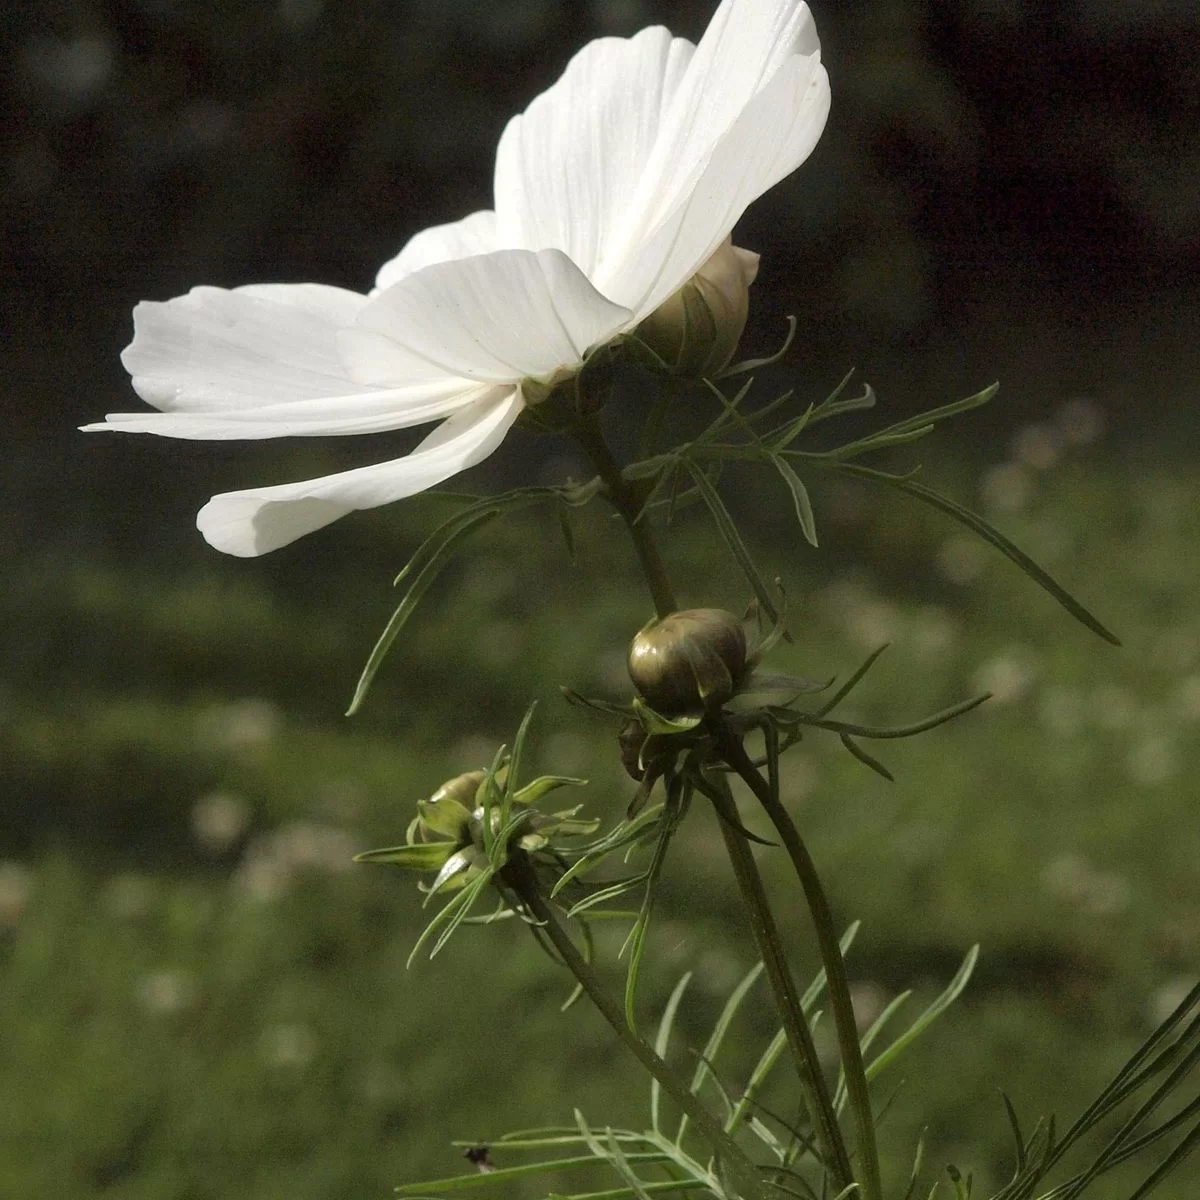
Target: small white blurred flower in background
column 166, row 992
column 1007, row 488
column 243, row 724
column 1082, row 421
column 219, row 819
column 1009, row 675
column 1037, row 446
column 1071, row 878
column 16, row 883
column 274, row 860
column 288, row 1046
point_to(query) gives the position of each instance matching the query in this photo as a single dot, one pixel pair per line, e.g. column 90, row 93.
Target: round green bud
column 689, row 662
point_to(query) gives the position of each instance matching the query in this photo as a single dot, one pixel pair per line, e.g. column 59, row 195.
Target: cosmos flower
column 612, row 190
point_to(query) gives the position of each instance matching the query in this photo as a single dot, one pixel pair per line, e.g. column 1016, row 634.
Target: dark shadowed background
column 1007, row 189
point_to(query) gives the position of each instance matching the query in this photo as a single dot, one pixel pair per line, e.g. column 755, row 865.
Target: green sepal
column 655, row 723
column 753, row 364
column 445, row 815
column 772, row 688
column 570, row 825
column 565, row 823
column 488, row 817
column 532, row 792
column 424, row 856
column 454, row 872
column 605, row 706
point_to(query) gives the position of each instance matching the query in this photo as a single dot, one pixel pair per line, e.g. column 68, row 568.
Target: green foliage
column 796, row 1170
column 185, row 1020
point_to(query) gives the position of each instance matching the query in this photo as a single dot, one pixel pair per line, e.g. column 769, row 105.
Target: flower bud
column 696, row 331
column 690, row 661
column 448, row 811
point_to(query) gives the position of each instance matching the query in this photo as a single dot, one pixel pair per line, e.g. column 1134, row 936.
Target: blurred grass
column 201, row 997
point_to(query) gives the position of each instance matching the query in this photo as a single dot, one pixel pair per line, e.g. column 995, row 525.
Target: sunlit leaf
column 478, row 1181
column 800, row 499
column 868, row 760
column 733, row 540
column 717, row 1037
column 953, row 990
column 635, row 943
column 532, row 792
column 433, row 564
column 423, row 856
column 994, row 537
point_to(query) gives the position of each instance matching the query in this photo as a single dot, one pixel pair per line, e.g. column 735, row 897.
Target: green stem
column 741, row 1172
column 821, row 1112
column 730, row 747
column 628, row 504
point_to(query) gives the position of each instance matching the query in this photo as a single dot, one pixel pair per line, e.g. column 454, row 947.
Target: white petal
column 218, row 349
column 374, row 411
column 567, row 169
column 336, row 305
column 475, row 234
column 745, row 44
column 599, row 162
column 259, row 520
column 496, row 317
column 771, row 137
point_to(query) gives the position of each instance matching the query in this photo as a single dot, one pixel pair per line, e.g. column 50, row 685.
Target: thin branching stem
column 730, row 747
column 771, row 950
column 629, row 506
column 742, row 1173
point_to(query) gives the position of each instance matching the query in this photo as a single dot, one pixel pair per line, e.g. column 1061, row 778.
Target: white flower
column 612, row 190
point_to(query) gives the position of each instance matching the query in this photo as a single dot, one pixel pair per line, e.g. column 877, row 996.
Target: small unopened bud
column 449, row 809
column 696, row 331
column 690, row 661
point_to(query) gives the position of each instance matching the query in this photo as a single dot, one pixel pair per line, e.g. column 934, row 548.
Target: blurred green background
column 199, row 996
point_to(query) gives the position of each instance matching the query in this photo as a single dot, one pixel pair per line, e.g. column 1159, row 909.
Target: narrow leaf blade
column 994, row 537
column 800, row 498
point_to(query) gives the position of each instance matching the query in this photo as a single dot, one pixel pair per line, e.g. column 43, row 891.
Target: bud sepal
column 469, row 831
column 695, row 333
